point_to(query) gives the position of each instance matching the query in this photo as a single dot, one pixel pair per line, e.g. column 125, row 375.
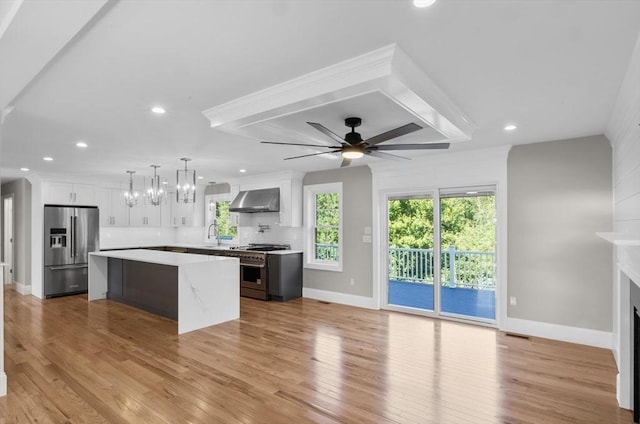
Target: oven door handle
column 252, row 265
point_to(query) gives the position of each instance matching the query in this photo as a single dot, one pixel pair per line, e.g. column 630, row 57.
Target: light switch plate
column 366, row 239
column 367, row 230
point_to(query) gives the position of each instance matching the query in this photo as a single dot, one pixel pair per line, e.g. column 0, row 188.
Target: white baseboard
column 3, row 384
column 23, row 288
column 341, row 298
column 596, row 338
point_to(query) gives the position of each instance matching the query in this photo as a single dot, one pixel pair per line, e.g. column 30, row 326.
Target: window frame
column 310, row 193
column 223, row 197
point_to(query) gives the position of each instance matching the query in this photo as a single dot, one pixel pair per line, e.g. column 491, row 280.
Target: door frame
column 10, row 264
column 383, row 243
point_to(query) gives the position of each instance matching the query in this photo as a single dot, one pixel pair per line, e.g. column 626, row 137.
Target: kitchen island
column 196, row 290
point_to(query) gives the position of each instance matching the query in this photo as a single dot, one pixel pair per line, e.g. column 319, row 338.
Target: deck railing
column 460, row 268
column 327, row 252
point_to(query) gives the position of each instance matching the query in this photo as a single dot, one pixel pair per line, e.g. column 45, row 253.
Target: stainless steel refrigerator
column 70, row 233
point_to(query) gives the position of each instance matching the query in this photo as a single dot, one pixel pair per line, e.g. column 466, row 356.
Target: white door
column 7, row 244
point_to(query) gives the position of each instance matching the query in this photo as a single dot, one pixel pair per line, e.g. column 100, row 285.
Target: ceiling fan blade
column 431, row 146
column 383, row 155
column 326, row 131
column 312, row 154
column 345, row 162
column 405, row 129
column 298, row 144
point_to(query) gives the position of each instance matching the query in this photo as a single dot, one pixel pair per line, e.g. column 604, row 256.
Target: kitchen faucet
column 214, row 224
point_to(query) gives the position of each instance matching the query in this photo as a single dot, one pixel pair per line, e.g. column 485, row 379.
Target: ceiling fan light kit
column 352, row 146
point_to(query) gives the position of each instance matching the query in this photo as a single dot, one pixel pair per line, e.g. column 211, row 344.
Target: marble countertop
column 161, row 257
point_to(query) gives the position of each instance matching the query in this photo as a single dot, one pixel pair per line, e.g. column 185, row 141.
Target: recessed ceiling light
column 472, row 192
column 47, row 158
column 158, row 109
column 24, row 169
column 243, row 170
column 200, row 177
column 81, row 144
column 510, row 127
column 165, row 182
column 423, row 3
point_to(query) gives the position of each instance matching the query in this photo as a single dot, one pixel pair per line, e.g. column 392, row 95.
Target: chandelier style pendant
column 185, row 184
column 155, row 194
column 131, row 197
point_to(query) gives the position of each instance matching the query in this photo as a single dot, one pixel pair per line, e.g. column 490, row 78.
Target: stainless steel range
column 253, row 268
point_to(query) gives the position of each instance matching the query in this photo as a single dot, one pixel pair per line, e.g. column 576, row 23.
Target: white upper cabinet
column 291, row 203
column 145, row 215
column 113, row 210
column 68, row 194
column 235, row 216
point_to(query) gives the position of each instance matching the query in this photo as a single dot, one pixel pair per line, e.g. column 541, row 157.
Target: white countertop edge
column 161, row 257
column 191, row 246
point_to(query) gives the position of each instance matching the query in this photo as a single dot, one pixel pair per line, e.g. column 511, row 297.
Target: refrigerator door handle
column 75, row 233
column 72, row 237
column 64, row 267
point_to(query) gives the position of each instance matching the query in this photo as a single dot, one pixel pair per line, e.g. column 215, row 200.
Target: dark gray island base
column 285, row 276
column 279, row 278
column 147, row 286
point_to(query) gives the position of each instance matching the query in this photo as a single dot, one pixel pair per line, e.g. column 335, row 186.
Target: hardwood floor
column 70, row 361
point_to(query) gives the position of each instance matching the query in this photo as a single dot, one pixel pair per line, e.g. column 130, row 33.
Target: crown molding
column 387, row 70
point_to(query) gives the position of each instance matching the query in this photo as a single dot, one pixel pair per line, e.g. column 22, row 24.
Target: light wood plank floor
column 70, row 361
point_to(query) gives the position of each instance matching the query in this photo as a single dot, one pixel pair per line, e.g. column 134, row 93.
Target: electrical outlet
column 352, row 281
column 366, row 239
column 513, row 301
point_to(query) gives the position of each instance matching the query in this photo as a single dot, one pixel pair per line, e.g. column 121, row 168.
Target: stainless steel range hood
column 265, row 200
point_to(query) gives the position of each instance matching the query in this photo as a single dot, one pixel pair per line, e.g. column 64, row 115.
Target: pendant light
column 185, row 184
column 156, row 193
column 131, row 197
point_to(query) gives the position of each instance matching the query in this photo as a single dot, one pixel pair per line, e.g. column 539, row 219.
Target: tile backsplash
column 114, row 237
column 248, row 231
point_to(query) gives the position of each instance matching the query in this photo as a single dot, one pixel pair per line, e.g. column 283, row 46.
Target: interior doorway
column 7, row 238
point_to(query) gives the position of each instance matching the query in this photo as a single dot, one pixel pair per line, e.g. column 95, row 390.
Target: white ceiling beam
column 32, row 34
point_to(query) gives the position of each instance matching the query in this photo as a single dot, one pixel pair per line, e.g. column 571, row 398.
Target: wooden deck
column 460, row 301
column 70, row 361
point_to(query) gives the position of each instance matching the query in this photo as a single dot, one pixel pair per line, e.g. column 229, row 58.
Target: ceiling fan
column 352, row 146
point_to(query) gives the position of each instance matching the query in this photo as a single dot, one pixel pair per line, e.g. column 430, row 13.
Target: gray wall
column 21, row 190
column 357, row 214
column 559, row 195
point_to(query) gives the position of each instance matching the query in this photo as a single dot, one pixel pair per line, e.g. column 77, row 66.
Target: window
column 219, row 210
column 323, row 224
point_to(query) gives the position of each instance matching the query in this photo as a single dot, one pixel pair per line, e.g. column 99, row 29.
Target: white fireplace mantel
column 621, row 239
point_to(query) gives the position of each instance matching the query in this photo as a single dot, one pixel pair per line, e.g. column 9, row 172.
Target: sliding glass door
column 468, row 251
column 441, row 253
column 411, row 261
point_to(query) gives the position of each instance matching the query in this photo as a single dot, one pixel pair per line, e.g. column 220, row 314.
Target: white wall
column 623, row 131
column 3, row 375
